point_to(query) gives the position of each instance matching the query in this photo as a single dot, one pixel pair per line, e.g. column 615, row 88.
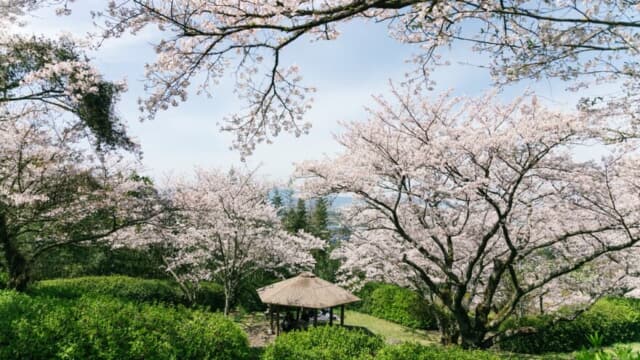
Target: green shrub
column 324, row 343
column 122, row 287
column 617, row 353
column 414, row 351
column 209, row 295
column 615, row 319
column 108, row 328
column 99, row 259
column 397, row 304
column 4, row 279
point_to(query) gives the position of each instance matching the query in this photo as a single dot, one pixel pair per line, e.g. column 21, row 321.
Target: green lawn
column 392, row 332
column 633, row 346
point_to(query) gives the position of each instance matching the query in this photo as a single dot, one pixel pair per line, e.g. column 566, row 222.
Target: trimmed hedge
column 616, row 319
column 414, row 351
column 109, row 328
column 337, row 343
column 324, row 343
column 121, row 287
column 400, row 305
column 127, row 288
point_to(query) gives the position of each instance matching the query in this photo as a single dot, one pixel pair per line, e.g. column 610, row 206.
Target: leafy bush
column 4, row 279
column 99, row 260
column 598, row 353
column 617, row 353
column 397, row 304
column 122, row 287
column 324, row 343
column 247, row 298
column 414, row 351
column 616, row 319
column 108, row 328
column 210, row 295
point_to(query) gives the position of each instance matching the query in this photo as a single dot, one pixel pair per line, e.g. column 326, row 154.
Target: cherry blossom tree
column 485, row 205
column 57, row 191
column 570, row 40
column 62, row 181
column 43, row 75
column 223, row 228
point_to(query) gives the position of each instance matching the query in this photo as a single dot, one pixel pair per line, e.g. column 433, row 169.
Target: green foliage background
column 209, row 295
column 617, row 320
column 400, row 305
column 102, row 327
column 324, row 342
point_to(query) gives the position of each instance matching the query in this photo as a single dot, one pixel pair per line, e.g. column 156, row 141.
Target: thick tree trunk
column 18, row 271
column 16, row 262
column 453, row 333
column 449, row 336
column 472, row 339
column 458, row 328
column 472, row 332
column 449, row 333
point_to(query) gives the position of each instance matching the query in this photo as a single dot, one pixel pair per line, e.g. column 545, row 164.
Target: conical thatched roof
column 306, row 290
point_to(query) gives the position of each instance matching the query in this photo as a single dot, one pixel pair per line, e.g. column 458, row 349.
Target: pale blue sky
column 345, row 71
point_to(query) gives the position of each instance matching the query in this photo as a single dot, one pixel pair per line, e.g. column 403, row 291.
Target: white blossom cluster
column 484, row 204
column 51, row 181
column 223, row 228
column 583, row 42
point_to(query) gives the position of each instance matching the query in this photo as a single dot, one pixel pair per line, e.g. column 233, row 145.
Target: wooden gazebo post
column 271, row 317
column 331, row 316
column 342, row 315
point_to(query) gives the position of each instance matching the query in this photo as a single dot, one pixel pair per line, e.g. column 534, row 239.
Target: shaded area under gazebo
column 305, row 291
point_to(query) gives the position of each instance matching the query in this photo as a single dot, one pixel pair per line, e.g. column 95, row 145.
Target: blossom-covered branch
column 55, row 192
column 43, row 75
column 223, row 228
column 563, row 39
column 484, row 205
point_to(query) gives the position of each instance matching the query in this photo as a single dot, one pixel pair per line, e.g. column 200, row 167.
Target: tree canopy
column 465, row 197
column 582, row 42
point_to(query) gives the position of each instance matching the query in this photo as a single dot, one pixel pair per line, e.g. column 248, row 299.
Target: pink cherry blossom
column 587, row 43
column 484, row 205
column 223, row 228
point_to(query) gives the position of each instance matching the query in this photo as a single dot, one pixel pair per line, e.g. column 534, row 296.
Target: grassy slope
column 634, row 346
column 392, row 332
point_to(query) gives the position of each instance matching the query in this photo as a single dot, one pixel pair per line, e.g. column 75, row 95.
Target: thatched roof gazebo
column 305, row 291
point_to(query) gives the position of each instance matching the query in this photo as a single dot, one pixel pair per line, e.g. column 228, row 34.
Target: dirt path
column 257, row 328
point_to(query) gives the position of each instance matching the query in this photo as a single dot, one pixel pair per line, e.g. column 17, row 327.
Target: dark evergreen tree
column 315, row 222
column 319, row 219
column 295, row 219
column 276, row 199
column 301, row 216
